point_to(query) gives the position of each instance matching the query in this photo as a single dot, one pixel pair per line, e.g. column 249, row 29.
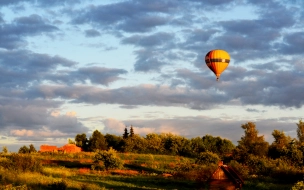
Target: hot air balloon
column 217, row 60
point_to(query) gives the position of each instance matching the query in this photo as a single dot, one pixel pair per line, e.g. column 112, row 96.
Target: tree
column 280, row 145
column 70, row 141
column 97, row 141
column 82, row 141
column 217, row 145
column 126, row 134
column 24, row 150
column 116, row 142
column 250, row 143
column 154, row 143
column 135, row 144
column 300, row 131
column 32, row 149
column 4, row 150
column 131, row 131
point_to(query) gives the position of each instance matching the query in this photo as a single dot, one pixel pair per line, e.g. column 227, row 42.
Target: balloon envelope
column 217, row 60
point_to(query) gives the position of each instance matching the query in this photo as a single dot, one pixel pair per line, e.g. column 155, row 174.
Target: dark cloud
column 12, row 35
column 92, row 33
column 22, row 68
column 292, row 44
column 129, row 16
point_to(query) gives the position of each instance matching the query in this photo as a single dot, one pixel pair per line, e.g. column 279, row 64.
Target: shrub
column 60, row 185
column 19, row 162
column 207, row 158
column 241, row 169
column 109, row 159
column 298, row 186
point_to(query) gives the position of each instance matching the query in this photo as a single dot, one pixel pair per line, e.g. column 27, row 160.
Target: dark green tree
column 32, row 149
column 116, row 142
column 24, row 150
column 126, row 134
column 217, row 145
column 82, row 141
column 131, row 131
column 97, row 141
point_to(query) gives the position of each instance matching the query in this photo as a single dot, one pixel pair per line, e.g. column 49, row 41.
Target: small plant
column 109, row 159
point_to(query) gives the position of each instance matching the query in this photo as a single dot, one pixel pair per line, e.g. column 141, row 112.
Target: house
column 68, row 148
column 225, row 178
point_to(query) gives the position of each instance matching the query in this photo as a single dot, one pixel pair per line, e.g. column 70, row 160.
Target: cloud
column 12, row 35
column 92, row 33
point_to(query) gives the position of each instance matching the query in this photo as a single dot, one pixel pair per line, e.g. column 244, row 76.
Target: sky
column 74, row 66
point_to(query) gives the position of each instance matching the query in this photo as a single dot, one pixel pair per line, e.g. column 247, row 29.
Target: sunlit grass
column 58, row 172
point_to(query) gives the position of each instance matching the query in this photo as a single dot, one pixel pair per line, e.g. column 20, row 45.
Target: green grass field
column 140, row 171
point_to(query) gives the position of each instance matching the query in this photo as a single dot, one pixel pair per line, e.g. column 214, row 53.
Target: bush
column 298, row 186
column 19, row 162
column 207, row 158
column 240, row 168
column 109, row 159
column 60, row 185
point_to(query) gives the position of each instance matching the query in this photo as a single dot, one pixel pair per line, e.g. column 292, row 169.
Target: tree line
column 250, row 144
column 152, row 143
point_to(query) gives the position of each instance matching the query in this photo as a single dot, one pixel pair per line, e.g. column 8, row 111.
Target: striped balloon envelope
column 217, row 60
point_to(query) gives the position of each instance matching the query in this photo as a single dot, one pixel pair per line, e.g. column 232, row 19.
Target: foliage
column 70, row 141
column 300, row 131
column 116, row 142
column 19, row 162
column 125, row 134
column 4, row 150
column 24, row 150
column 109, row 158
column 32, row 149
column 131, row 131
column 298, row 186
column 250, row 143
column 82, row 141
column 97, row 141
column 217, row 145
column 242, row 170
column 207, row 158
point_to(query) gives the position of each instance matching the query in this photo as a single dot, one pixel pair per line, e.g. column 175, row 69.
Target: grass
column 140, row 171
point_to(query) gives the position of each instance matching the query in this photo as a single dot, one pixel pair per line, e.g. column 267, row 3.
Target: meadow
column 139, row 171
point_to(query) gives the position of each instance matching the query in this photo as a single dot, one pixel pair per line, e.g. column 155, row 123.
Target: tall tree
column 97, row 141
column 300, row 131
column 280, row 145
column 32, row 149
column 251, row 143
column 131, row 131
column 126, row 134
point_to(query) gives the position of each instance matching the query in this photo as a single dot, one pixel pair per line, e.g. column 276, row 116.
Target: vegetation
column 158, row 161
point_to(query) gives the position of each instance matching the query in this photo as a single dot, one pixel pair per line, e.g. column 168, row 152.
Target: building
column 225, row 178
column 68, row 148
